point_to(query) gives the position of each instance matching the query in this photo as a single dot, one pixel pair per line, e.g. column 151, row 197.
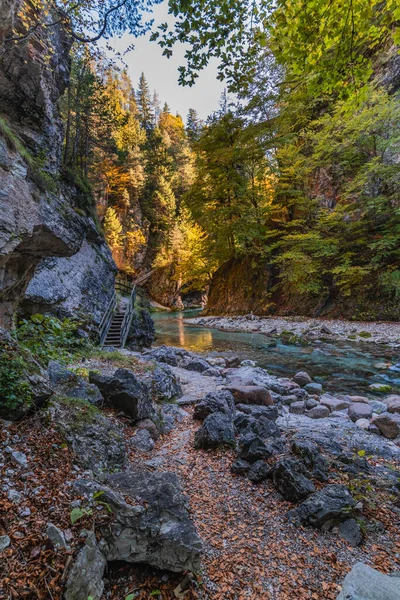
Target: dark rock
column 365, row 583
column 85, row 579
column 124, row 391
column 170, row 416
column 142, row 331
column 289, row 478
column 56, row 536
column 318, row 412
column 331, row 505
column 232, row 362
column 351, row 532
column 263, row 427
column 195, row 364
column 165, row 384
column 154, row 528
column 359, row 410
column 252, row 448
column 334, row 403
column 217, row 430
column 269, row 412
column 221, row 401
column 258, row 471
column 288, row 400
column 250, row 394
column 313, row 460
column 240, row 467
column 60, row 375
column 142, row 441
column 165, row 354
column 72, row 385
column 388, row 424
column 302, row 378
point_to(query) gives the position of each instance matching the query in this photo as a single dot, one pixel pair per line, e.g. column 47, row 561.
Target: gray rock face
column 250, row 394
column 220, row 401
column 359, row 410
column 124, row 391
column 154, row 527
column 289, row 478
column 86, row 576
column 365, row 583
column 325, row 508
column 297, row 408
column 388, row 424
column 217, row 430
column 165, row 384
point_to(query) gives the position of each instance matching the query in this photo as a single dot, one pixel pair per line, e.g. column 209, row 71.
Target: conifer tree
column 193, row 125
column 145, row 105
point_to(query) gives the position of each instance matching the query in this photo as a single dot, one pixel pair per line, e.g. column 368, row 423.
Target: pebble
column 14, row 496
column 4, row 542
column 19, row 459
column 25, row 512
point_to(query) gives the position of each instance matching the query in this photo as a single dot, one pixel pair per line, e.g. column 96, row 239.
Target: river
column 340, row 367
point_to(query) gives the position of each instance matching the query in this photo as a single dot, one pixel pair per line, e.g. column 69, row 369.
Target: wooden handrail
column 127, row 320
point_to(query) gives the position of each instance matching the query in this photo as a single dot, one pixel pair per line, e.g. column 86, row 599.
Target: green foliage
column 15, row 390
column 78, row 513
column 49, row 338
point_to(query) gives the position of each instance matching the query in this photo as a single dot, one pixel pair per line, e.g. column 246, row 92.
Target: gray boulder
column 365, row 583
column 142, row 441
column 388, row 424
column 250, row 394
column 165, row 354
column 393, row 403
column 240, row 467
column 259, row 471
column 263, row 427
column 289, row 478
column 253, row 448
column 221, row 401
column 311, row 457
column 359, row 410
column 193, row 363
column 142, row 331
column 153, row 527
column 302, row 378
column 318, row 412
column 313, row 388
column 217, row 430
column 334, row 403
column 86, row 576
column 165, row 384
column 124, row 391
column 324, row 509
column 170, row 416
column 269, row 412
column 297, row 408
column 350, row 531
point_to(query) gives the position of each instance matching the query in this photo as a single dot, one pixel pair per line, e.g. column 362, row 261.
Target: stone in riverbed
column 380, row 388
column 358, row 399
column 318, row 412
column 288, row 476
column 365, row 583
column 313, row 388
column 220, row 401
column 302, row 378
column 359, row 410
column 363, row 424
column 297, row 408
column 325, row 508
column 388, row 424
column 217, row 430
column 250, row 394
column 334, row 403
column 311, row 403
column 379, row 407
column 393, row 403
column 4, row 542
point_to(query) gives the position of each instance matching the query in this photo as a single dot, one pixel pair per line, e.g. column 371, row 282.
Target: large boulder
column 302, row 378
column 250, row 394
column 194, row 363
column 359, row 410
column 221, row 401
column 150, row 522
column 142, row 331
column 85, row 579
column 388, row 424
column 124, row 391
column 311, row 457
column 365, row 583
column 253, row 448
column 327, row 507
column 289, row 478
column 217, row 430
column 393, row 403
column 165, row 384
column 263, row 427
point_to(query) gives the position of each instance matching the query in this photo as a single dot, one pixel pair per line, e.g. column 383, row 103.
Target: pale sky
column 162, row 73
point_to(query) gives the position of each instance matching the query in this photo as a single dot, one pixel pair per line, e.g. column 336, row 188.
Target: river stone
column 154, row 528
column 220, row 401
column 325, row 508
column 359, row 399
column 351, row 532
column 318, row 412
column 359, row 410
column 288, row 476
column 365, row 583
column 124, row 391
column 313, row 388
column 311, row 403
column 258, row 472
column 393, row 403
column 363, row 423
column 334, row 403
column 250, row 394
column 388, row 423
column 217, row 430
column 297, row 408
column 302, row 378
column 85, row 579
column 379, row 407
column 380, row 388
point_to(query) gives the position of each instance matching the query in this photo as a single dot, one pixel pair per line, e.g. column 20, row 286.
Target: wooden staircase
column 113, row 336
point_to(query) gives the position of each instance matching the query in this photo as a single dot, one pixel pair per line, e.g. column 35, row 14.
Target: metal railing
column 127, row 320
column 107, row 318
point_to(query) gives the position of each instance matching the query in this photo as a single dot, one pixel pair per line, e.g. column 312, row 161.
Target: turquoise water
column 340, row 366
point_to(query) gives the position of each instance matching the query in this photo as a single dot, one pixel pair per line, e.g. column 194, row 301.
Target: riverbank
column 306, row 328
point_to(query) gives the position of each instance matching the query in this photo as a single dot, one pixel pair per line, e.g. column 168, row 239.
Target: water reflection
column 340, row 366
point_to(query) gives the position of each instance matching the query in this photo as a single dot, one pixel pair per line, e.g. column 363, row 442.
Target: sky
column 162, row 73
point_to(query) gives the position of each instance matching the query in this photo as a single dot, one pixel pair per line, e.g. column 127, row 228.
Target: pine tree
column 193, row 125
column 145, row 105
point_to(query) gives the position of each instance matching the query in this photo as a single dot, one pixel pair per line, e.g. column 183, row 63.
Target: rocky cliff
column 40, row 214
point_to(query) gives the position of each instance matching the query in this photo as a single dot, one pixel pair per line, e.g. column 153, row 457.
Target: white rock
column 362, row 423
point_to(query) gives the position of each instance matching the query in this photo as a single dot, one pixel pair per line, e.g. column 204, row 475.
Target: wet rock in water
column 220, row 401
column 393, row 404
column 324, row 509
column 150, row 426
column 351, row 532
column 297, row 408
column 380, row 388
column 334, row 403
column 258, row 472
column 217, row 430
column 142, row 441
column 302, row 378
column 263, row 427
column 124, row 391
column 318, row 412
column 365, row 583
column 359, row 410
column 313, row 388
column 154, row 528
column 289, row 478
column 85, row 579
column 195, row 364
column 165, row 384
column 252, row 448
column 250, row 394
column 269, row 412
column 388, row 424
column 240, row 467
column 171, row 415
column 311, row 457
